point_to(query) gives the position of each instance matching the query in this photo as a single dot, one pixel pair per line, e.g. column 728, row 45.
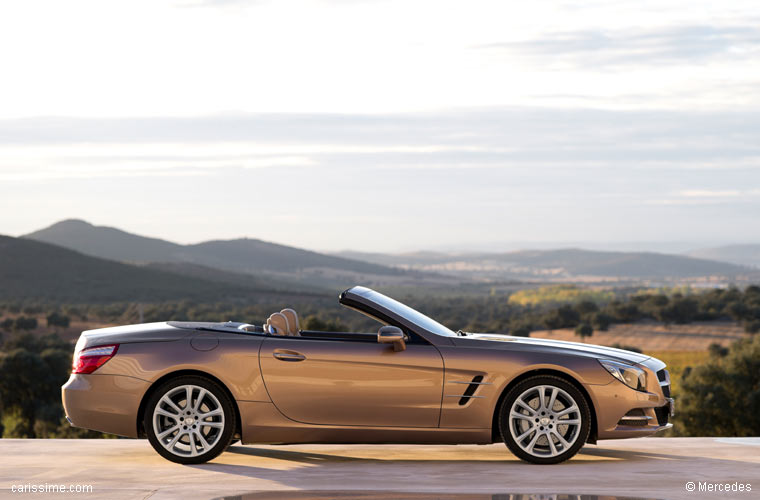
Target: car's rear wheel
column 544, row 420
column 189, row 420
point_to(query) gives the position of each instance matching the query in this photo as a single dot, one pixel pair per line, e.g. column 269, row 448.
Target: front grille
column 664, row 377
column 634, row 423
column 634, row 418
column 662, row 413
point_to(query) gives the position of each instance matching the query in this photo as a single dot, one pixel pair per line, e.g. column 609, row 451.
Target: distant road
column 129, row 469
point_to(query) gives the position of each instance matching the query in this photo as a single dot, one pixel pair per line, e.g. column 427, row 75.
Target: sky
column 385, row 126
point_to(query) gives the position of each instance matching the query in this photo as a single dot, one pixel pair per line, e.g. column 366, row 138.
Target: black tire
column 545, row 454
column 224, row 422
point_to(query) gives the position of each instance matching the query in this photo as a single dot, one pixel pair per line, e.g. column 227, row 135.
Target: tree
column 315, row 323
column 624, row 313
column 586, row 307
column 717, row 351
column 33, row 369
column 24, row 323
column 57, row 319
column 601, row 321
column 16, row 425
column 21, row 388
column 752, row 326
column 721, row 397
column 737, row 310
column 562, row 317
column 584, row 330
column 521, row 331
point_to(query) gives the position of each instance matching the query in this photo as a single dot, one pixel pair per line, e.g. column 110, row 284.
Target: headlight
column 632, row 376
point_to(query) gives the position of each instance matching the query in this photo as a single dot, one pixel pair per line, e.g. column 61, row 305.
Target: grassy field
column 650, row 336
column 559, row 294
column 677, row 362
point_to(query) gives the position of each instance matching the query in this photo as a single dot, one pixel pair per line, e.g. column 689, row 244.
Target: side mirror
column 392, row 335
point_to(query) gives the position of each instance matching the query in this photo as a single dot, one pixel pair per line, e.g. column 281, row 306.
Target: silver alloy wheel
column 545, row 421
column 188, row 421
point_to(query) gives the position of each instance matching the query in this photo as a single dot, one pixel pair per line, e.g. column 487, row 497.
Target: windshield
column 405, row 311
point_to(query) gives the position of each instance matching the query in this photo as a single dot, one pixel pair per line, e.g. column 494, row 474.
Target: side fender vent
column 470, row 391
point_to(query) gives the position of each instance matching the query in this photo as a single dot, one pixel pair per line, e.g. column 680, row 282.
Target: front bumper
column 105, row 403
column 626, row 413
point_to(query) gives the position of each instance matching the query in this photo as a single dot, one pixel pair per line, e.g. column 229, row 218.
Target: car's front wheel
column 189, row 420
column 544, row 420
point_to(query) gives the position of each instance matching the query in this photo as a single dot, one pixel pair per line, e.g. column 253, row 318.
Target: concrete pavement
column 130, row 469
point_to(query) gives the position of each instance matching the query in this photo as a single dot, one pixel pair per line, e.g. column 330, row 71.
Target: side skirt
column 262, row 423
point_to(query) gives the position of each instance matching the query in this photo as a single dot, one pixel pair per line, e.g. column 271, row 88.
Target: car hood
column 587, row 349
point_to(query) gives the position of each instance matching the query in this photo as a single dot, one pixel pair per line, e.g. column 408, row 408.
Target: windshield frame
column 381, row 306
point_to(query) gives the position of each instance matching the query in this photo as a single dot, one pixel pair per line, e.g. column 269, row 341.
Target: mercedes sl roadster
column 195, row 388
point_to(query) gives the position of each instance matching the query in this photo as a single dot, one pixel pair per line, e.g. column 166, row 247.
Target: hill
column 567, row 263
column 34, row 270
column 107, row 242
column 745, row 255
column 250, row 256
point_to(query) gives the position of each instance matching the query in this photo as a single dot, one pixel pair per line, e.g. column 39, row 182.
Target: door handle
column 288, row 356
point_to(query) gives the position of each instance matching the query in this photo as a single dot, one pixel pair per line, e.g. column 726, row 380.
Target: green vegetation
column 24, row 323
column 559, row 294
column 57, row 319
column 35, row 365
column 584, row 330
column 721, row 397
column 717, row 304
column 33, row 370
column 678, row 363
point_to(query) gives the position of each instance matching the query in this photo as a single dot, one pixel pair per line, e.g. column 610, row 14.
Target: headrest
column 279, row 322
column 292, row 318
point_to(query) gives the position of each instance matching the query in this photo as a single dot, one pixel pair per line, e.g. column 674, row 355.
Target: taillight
column 90, row 359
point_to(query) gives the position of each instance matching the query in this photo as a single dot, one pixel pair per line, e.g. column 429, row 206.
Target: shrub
column 717, row 351
column 562, row 317
column 721, row 396
column 24, row 323
column 752, row 326
column 601, row 321
column 57, row 319
column 521, row 331
column 584, row 330
column 626, row 347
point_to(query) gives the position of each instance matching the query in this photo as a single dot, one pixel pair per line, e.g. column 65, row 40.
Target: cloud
column 219, row 3
column 675, row 134
column 709, row 193
column 672, row 45
column 497, row 155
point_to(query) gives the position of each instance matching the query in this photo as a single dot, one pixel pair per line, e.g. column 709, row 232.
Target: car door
column 350, row 382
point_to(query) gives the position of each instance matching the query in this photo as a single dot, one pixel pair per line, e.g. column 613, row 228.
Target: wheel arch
column 495, row 435
column 183, row 373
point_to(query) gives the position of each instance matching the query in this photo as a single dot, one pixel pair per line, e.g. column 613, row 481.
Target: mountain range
column 561, row 264
column 262, row 259
column 75, row 260
column 32, row 269
column 745, row 255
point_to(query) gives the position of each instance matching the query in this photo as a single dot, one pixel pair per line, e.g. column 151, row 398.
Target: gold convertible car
column 195, row 388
